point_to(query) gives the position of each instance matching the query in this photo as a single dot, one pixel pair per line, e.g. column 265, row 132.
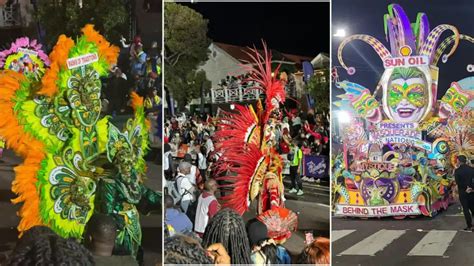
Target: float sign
column 406, row 61
column 377, row 211
column 82, row 60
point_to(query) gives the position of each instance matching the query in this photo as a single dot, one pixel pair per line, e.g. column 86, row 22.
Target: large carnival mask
column 407, row 95
column 367, row 106
column 453, row 101
column 410, row 79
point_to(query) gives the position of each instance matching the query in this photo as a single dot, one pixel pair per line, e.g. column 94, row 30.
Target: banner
column 315, row 166
column 377, row 211
column 307, row 71
column 82, row 60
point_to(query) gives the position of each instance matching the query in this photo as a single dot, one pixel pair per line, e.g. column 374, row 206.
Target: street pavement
column 151, row 224
column 411, row 241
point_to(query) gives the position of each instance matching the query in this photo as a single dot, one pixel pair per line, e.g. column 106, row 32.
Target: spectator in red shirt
column 207, row 206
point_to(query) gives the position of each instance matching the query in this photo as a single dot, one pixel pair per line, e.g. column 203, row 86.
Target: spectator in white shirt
column 202, row 162
column 209, row 145
column 192, row 173
column 168, row 162
column 207, row 207
column 186, row 187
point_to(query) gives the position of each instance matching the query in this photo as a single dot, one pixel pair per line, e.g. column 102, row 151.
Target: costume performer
column 252, row 166
column 71, row 154
column 396, row 163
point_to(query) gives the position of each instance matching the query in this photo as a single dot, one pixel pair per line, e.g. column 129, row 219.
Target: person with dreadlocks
column 41, row 246
column 181, row 249
column 227, row 227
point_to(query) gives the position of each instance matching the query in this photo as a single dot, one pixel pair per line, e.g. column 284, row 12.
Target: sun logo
column 405, row 50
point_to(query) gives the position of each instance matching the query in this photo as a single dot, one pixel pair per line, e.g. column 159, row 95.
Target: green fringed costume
column 75, row 161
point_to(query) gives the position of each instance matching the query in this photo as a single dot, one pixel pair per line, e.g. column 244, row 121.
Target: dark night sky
column 366, row 17
column 296, row 28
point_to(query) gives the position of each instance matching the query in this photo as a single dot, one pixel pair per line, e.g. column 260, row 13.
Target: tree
column 318, row 87
column 186, row 47
column 58, row 17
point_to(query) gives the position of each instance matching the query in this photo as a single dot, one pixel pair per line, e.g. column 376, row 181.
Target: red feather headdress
column 260, row 70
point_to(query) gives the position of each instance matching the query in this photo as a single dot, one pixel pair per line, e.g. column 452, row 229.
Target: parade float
column 76, row 162
column 398, row 152
column 249, row 166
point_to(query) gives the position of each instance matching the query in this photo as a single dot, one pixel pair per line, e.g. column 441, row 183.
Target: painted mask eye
column 370, row 102
column 458, row 105
column 416, row 96
column 394, row 96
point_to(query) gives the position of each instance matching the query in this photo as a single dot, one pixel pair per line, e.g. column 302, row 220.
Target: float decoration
column 398, row 151
column 25, row 57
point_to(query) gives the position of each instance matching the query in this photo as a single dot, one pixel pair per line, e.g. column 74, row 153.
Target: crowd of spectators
column 197, row 229
column 138, row 70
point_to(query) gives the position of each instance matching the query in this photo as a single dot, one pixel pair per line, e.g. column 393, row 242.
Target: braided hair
column 227, row 227
column 40, row 246
column 181, row 249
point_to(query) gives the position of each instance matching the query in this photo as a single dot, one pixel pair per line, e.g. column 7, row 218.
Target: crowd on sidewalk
column 194, row 218
column 137, row 70
column 298, row 135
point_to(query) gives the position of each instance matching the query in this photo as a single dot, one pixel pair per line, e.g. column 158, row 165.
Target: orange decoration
column 106, row 50
column 58, row 58
column 26, row 146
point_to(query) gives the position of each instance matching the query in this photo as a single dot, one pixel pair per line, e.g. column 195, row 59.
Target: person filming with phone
column 464, row 175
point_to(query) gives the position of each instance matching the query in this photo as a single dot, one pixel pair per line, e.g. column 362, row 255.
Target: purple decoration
column 389, row 183
column 392, row 38
column 405, row 181
column 390, row 146
column 423, row 31
column 405, row 32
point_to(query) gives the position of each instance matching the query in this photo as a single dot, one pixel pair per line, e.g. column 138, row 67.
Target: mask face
column 125, row 165
column 452, row 102
column 84, row 95
column 407, row 97
column 367, row 106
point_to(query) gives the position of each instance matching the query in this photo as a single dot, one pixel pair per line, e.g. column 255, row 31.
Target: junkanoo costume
column 252, row 166
column 398, row 155
column 75, row 162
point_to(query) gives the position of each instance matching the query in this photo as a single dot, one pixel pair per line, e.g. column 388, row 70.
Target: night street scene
column 246, row 133
column 402, row 133
column 80, row 108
